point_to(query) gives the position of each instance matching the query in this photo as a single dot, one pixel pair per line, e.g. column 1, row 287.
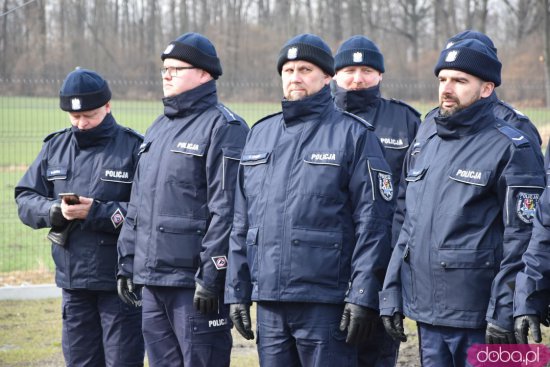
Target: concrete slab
column 30, row 291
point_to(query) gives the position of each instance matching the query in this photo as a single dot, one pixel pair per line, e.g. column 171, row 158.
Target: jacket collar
column 467, row 121
column 357, row 101
column 192, row 101
column 312, row 107
column 99, row 135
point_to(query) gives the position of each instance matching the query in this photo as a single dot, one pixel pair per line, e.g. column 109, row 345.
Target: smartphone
column 70, row 198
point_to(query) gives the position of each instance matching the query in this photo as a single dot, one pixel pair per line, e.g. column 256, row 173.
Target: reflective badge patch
column 385, row 185
column 220, row 262
column 75, row 104
column 292, row 53
column 117, row 218
column 451, row 56
column 357, row 57
column 526, row 206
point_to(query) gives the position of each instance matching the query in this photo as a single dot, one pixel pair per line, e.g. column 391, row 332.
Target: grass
column 31, row 336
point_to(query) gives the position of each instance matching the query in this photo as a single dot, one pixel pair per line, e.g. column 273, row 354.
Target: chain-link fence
column 29, row 111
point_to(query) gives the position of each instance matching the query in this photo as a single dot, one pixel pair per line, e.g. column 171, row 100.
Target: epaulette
column 231, row 117
column 518, row 113
column 414, row 110
column 361, row 120
column 513, row 134
column 133, row 132
column 266, row 117
column 55, row 133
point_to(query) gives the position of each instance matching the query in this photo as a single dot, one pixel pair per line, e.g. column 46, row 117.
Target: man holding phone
column 79, row 186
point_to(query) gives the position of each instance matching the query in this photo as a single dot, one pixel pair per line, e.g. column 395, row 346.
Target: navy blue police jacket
column 472, row 187
column 395, row 122
column 181, row 209
column 532, row 295
column 313, row 209
column 502, row 111
column 97, row 163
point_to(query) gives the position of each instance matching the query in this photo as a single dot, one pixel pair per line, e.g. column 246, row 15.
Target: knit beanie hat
column 359, row 50
column 197, row 50
column 473, row 57
column 470, row 34
column 83, row 90
column 307, row 47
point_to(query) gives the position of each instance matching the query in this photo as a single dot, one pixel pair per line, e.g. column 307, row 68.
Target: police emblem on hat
column 292, row 53
column 526, row 206
column 117, row 218
column 357, row 57
column 169, row 49
column 451, row 56
column 449, row 45
column 385, row 185
column 76, row 104
column 220, row 262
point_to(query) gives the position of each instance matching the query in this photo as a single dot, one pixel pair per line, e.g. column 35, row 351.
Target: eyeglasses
column 174, row 71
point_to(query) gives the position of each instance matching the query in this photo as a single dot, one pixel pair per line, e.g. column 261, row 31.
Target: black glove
column 394, row 326
column 205, row 300
column 522, row 325
column 494, row 334
column 359, row 321
column 240, row 315
column 57, row 219
column 128, row 292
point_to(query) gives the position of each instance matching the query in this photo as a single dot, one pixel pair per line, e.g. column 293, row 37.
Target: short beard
column 450, row 111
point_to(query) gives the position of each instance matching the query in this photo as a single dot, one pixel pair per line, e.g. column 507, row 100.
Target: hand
column 205, row 300
column 394, row 326
column 77, row 211
column 494, row 334
column 240, row 315
column 127, row 291
column 56, row 216
column 359, row 321
column 522, row 325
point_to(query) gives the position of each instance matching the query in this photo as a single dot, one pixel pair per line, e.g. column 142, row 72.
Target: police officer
column 359, row 66
column 313, row 206
column 532, row 292
column 94, row 159
column 471, row 192
column 176, row 237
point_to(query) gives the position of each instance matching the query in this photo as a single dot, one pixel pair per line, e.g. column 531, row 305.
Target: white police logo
column 385, row 185
column 220, row 262
column 357, row 57
column 169, row 49
column 292, row 53
column 451, row 56
column 76, row 104
column 117, row 218
column 526, row 206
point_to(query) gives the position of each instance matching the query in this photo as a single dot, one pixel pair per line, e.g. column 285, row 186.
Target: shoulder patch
column 361, row 120
column 267, row 118
column 229, row 115
column 513, row 134
column 414, row 110
column 133, row 132
column 55, row 133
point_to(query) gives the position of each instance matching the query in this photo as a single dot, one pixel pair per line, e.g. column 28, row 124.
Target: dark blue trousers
column 446, row 346
column 100, row 330
column 380, row 350
column 293, row 334
column 177, row 335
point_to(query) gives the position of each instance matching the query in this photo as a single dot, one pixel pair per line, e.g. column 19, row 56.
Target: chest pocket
column 415, row 185
column 254, row 166
column 115, row 183
column 470, row 176
column 56, row 173
column 396, row 142
column 321, row 172
column 186, row 163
